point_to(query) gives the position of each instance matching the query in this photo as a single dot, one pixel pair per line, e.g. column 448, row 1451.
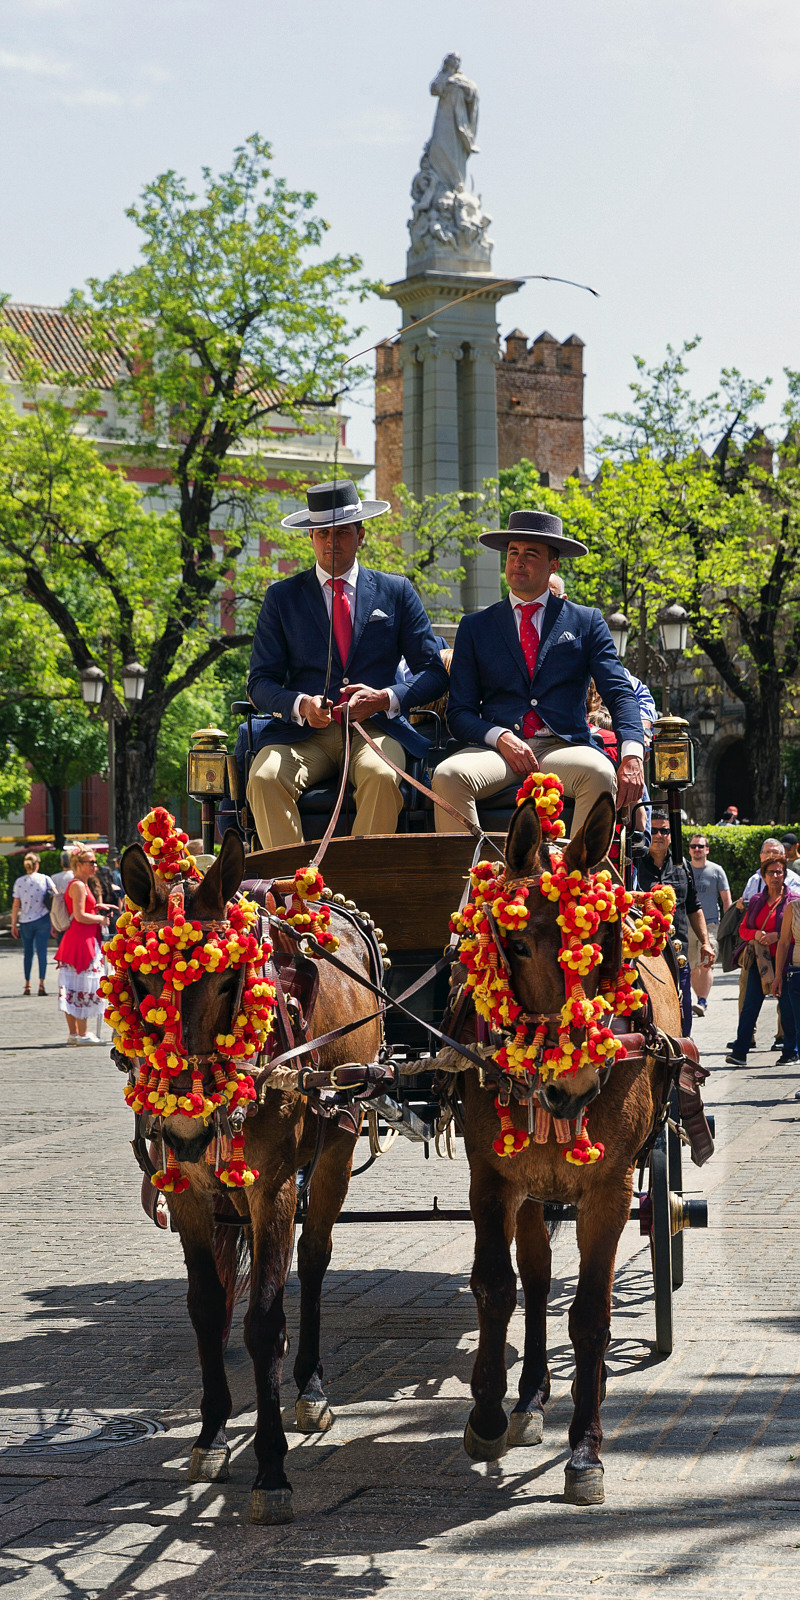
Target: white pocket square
column 565, row 636
column 379, row 616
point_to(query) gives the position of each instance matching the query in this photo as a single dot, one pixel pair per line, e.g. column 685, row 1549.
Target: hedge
column 5, row 899
column 736, row 850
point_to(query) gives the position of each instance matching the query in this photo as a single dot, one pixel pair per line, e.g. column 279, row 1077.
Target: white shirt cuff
column 394, row 704
column 493, row 735
column 631, row 747
column 296, row 717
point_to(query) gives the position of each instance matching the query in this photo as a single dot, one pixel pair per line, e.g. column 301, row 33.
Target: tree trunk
column 135, row 768
column 762, row 750
column 56, row 793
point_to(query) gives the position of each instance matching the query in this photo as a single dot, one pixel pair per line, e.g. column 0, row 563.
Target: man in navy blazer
column 514, row 721
column 377, row 619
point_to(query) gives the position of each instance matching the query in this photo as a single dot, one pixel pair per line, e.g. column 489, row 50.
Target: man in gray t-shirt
column 713, row 891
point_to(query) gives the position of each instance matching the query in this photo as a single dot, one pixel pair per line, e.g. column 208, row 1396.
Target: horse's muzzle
column 561, row 1103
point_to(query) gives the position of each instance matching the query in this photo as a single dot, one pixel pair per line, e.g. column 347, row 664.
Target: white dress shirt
column 630, row 747
column 350, row 580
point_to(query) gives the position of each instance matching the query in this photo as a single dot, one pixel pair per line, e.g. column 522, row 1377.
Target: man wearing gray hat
column 518, row 684
column 368, row 621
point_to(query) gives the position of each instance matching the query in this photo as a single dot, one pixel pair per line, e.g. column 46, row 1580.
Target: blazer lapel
column 365, row 595
column 553, row 626
column 507, row 626
column 316, row 606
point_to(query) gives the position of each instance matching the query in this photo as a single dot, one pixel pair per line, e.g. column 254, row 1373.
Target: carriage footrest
column 404, row 1119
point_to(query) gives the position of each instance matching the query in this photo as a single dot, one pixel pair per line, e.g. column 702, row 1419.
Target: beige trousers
column 479, row 771
column 281, row 772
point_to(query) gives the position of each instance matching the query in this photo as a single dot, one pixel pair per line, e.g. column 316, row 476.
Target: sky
column 645, row 147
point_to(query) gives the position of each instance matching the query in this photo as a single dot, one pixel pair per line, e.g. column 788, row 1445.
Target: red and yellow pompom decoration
column 584, row 903
column 304, row 914
column 512, row 1139
column 181, row 952
column 237, row 1174
column 167, row 846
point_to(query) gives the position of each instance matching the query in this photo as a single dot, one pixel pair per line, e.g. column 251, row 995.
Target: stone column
column 449, row 400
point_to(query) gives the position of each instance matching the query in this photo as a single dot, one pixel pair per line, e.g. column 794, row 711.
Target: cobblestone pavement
column 99, row 1392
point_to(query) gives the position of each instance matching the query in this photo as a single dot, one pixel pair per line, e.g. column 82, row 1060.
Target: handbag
column 766, row 969
column 48, row 900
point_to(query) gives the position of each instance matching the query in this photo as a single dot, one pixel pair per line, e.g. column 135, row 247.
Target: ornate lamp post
column 707, row 722
column 619, row 628
column 673, row 630
column 97, row 689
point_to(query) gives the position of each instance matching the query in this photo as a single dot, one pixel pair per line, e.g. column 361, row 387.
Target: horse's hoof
column 583, row 1486
column 484, row 1449
column 210, row 1466
column 525, row 1427
column 270, row 1506
column 313, row 1416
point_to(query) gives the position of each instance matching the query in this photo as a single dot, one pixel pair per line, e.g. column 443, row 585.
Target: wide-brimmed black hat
column 537, row 526
column 332, row 503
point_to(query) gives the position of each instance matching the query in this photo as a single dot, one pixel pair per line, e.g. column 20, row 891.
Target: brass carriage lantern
column 673, row 754
column 673, row 769
column 205, row 777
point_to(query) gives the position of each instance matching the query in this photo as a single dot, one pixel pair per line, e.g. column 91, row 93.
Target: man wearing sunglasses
column 713, row 891
column 657, row 866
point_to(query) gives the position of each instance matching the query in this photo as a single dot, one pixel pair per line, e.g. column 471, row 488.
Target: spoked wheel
column 675, row 1154
column 661, row 1243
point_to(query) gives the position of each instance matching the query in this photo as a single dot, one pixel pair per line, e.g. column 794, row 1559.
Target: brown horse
column 506, row 1194
column 280, row 1139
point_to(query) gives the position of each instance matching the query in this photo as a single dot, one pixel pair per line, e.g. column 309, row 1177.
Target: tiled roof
column 59, row 341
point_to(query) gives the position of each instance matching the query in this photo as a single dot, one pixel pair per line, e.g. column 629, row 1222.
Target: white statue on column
column 448, row 227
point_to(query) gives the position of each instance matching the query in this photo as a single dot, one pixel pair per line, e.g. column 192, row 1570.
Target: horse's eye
column 518, row 948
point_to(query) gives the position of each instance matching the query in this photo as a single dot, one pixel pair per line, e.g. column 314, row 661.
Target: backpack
column 60, row 916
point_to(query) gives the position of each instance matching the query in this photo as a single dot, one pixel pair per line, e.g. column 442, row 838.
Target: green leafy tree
column 60, row 743
column 229, row 318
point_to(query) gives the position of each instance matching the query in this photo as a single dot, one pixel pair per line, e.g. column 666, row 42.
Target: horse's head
column 206, row 1005
column 536, row 976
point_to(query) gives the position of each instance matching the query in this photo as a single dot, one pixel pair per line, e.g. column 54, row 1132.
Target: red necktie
column 529, row 639
column 342, row 620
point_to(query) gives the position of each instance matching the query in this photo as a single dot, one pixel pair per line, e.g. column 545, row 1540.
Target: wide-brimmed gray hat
column 332, row 503
column 539, row 527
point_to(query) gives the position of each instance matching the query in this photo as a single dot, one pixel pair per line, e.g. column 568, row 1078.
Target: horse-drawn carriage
column 421, row 991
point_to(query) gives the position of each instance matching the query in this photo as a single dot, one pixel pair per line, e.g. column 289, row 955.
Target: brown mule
column 280, row 1139
column 506, row 1193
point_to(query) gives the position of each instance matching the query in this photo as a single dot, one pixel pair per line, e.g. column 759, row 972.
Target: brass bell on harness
column 378, row 933
column 384, row 948
column 350, row 905
column 338, row 900
column 681, row 961
column 678, row 943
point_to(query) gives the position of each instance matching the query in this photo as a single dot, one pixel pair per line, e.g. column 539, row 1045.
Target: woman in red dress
column 79, row 956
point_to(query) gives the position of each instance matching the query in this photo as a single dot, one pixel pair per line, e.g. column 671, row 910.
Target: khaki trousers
column 281, row 772
column 479, row 771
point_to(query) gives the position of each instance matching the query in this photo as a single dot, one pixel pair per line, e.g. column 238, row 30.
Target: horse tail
column 232, row 1260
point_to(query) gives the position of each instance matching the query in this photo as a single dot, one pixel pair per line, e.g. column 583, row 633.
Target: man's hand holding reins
column 364, row 701
column 630, row 782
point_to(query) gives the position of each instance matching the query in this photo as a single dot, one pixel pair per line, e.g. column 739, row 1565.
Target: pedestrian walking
column 771, row 849
column 787, row 965
column 79, row 956
column 657, row 866
column 30, row 917
column 760, row 933
column 713, row 891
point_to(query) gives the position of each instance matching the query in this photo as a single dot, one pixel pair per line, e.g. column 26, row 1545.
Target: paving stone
column 702, row 1451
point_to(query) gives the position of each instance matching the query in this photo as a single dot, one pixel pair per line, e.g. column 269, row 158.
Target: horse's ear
column 138, row 878
column 524, row 840
column 222, row 879
column 591, row 842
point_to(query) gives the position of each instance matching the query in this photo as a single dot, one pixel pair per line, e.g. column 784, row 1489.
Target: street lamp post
column 97, row 688
column 673, row 630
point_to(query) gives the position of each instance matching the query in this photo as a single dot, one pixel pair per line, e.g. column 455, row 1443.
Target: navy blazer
column 490, row 684
column 290, row 653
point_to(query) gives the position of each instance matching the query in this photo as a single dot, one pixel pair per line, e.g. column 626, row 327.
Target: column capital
column 427, row 349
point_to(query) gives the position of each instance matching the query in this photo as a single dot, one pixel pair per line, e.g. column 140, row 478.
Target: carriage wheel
column 676, row 1185
column 661, row 1243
